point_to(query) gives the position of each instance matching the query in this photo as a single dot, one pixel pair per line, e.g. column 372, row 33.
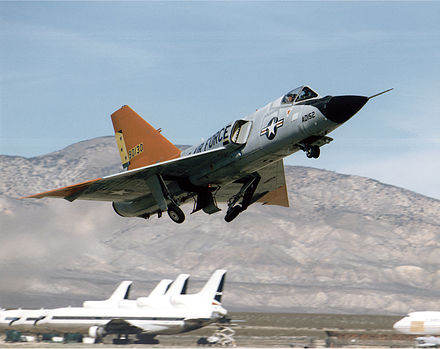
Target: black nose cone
column 341, row 108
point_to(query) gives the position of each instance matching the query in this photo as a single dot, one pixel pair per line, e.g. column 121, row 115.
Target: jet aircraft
column 23, row 320
column 419, row 322
column 198, row 310
column 240, row 164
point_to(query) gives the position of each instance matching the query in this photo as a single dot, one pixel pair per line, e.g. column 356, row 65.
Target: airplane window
column 299, row 94
column 306, row 93
column 290, row 96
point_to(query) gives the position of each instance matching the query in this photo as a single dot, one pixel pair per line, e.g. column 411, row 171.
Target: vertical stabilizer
column 174, row 288
column 122, row 292
column 213, row 289
column 179, row 285
column 161, row 288
column 139, row 143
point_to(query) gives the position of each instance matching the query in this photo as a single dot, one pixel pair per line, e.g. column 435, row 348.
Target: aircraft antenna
column 380, row 93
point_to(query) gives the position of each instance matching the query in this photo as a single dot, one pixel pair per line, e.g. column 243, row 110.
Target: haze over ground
column 347, row 244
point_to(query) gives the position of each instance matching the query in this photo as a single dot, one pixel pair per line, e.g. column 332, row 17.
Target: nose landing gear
column 311, row 146
column 312, row 151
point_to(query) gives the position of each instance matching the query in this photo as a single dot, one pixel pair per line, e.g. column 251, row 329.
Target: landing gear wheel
column 233, row 213
column 176, row 214
column 316, row 152
column 313, row 152
column 119, row 341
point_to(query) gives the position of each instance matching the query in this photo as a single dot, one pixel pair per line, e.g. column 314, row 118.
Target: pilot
column 288, row 98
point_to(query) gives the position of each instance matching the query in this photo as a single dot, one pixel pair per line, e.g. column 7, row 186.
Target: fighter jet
column 240, row 164
column 204, row 308
column 419, row 322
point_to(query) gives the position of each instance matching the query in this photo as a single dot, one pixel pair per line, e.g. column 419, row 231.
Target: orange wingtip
column 64, row 192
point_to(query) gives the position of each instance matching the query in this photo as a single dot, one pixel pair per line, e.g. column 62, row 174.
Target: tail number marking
column 136, row 150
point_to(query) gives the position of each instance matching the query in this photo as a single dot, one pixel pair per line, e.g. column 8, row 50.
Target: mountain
column 347, row 244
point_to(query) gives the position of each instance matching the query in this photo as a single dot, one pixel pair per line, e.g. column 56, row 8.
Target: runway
column 277, row 330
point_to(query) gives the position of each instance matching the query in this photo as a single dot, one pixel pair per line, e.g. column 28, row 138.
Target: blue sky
column 190, row 67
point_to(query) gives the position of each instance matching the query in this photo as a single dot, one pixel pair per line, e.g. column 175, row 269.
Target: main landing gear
column 162, row 195
column 175, row 213
column 245, row 195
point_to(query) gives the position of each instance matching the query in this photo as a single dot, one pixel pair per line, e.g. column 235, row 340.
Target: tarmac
column 272, row 330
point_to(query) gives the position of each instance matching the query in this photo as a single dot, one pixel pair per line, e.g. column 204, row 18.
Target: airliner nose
column 341, row 108
column 402, row 325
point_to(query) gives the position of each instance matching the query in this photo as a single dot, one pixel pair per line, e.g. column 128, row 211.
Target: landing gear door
column 240, row 131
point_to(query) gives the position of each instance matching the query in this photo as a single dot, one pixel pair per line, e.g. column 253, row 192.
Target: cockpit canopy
column 298, row 95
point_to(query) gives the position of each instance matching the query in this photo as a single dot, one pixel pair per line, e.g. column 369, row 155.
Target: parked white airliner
column 23, row 320
column 189, row 313
column 419, row 322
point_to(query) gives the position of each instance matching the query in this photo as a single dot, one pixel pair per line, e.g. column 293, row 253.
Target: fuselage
column 7, row 317
column 25, row 322
column 276, row 130
column 420, row 322
column 144, row 320
column 272, row 133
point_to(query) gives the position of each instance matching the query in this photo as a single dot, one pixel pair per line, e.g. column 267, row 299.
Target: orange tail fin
column 139, row 143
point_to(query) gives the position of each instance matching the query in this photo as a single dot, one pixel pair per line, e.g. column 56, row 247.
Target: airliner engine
column 97, row 332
